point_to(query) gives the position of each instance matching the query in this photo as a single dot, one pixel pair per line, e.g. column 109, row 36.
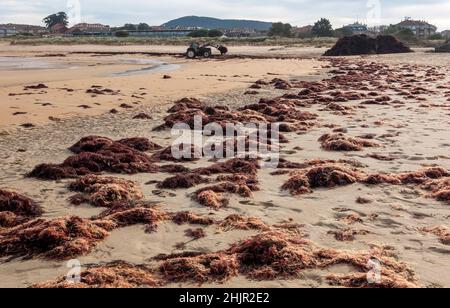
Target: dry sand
column 420, row 137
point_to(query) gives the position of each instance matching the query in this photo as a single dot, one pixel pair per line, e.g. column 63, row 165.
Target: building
column 446, row 34
column 90, row 28
column 421, row 29
column 58, row 29
column 7, row 32
column 239, row 32
column 357, row 28
column 302, row 31
column 13, row 29
column 160, row 33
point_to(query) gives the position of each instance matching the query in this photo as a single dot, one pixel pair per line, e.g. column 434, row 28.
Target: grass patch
column 180, row 41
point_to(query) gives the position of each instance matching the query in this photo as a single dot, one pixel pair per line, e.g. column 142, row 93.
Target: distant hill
column 215, row 23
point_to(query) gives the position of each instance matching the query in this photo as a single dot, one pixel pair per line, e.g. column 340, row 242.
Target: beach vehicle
column 197, row 50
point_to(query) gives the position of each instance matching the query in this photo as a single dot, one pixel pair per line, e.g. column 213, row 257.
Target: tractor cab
column 205, row 51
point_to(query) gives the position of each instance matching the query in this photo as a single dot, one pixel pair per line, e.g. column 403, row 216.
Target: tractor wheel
column 191, row 54
column 207, row 54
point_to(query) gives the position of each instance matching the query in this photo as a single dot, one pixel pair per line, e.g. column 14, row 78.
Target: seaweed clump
column 182, row 218
column 341, row 142
column 238, row 177
column 185, row 181
column 95, row 144
column 140, row 144
column 203, row 268
column 98, row 154
column 327, row 176
column 112, row 275
column 213, row 196
column 267, row 256
column 58, row 239
column 438, row 176
column 442, row 232
column 18, row 204
column 196, row 234
column 16, row 209
column 104, row 191
column 393, row 273
column 433, row 179
column 439, row 188
column 232, row 166
column 277, row 255
column 211, row 199
column 72, row 236
column 239, row 222
column 347, row 235
column 273, row 255
column 125, row 214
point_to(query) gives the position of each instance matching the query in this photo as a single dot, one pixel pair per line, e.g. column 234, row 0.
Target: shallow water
column 26, row 63
column 155, row 66
column 145, row 66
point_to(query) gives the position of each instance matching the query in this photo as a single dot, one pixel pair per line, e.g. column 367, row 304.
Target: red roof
column 58, row 28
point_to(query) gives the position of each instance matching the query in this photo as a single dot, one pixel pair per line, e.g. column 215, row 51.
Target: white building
column 7, row 32
column 420, row 28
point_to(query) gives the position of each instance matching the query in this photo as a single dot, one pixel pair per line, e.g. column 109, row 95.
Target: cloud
column 297, row 12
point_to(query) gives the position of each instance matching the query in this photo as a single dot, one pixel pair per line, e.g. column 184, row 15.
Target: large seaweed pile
column 365, row 45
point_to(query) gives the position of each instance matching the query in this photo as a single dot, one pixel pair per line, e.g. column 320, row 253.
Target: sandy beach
column 396, row 110
column 139, row 78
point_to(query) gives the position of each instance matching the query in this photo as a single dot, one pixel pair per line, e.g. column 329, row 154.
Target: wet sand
column 71, row 76
column 418, row 138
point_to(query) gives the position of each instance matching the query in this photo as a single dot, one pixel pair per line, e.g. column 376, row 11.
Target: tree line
column 322, row 28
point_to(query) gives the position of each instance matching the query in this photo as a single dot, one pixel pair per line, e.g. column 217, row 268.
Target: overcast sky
column 297, row 12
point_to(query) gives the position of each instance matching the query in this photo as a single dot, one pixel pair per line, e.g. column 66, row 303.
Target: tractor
column 197, row 50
